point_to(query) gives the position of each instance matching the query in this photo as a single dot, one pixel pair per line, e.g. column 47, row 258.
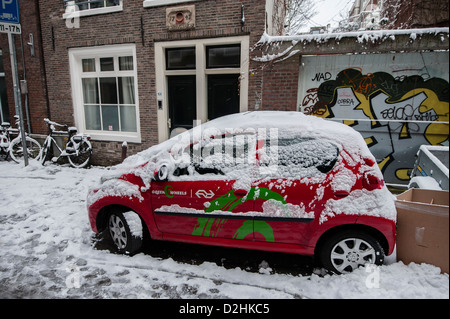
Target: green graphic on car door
column 229, row 202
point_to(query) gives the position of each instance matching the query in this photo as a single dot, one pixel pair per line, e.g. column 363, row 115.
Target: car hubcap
column 117, row 231
column 351, row 253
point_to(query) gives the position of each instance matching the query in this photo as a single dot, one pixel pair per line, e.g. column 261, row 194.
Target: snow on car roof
column 305, row 125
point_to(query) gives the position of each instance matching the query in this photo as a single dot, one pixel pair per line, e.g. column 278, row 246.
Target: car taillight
column 369, row 162
column 372, row 182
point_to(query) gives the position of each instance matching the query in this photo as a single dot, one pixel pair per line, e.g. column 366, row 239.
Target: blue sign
column 9, row 11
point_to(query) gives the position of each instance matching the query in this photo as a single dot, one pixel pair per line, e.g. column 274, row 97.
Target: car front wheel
column 125, row 230
column 346, row 251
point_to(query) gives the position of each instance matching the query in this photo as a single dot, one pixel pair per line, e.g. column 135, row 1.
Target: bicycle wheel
column 16, row 149
column 4, row 153
column 84, row 155
column 45, row 152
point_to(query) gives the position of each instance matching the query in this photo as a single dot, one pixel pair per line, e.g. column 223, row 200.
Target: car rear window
column 296, row 157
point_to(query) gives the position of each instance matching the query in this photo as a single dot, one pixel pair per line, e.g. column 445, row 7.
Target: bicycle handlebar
column 46, row 120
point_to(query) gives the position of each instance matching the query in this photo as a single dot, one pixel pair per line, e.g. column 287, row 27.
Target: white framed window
column 156, row 3
column 104, row 87
column 90, row 7
column 194, row 66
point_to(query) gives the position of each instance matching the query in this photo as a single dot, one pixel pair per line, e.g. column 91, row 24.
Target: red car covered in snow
column 275, row 181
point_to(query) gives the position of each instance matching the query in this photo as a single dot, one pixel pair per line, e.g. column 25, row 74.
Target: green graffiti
column 245, row 230
column 168, row 191
column 258, row 226
column 205, row 224
column 228, row 203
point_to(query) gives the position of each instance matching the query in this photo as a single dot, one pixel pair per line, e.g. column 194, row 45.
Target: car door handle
column 240, row 192
column 341, row 194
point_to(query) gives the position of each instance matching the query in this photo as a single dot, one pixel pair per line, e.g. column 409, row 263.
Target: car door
column 209, row 196
column 294, row 173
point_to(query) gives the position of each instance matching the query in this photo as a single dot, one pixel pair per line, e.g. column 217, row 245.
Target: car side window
column 226, row 155
column 296, row 157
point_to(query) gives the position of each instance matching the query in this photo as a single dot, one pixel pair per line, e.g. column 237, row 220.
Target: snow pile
column 115, row 187
column 135, row 224
column 361, row 37
column 378, row 203
column 47, row 251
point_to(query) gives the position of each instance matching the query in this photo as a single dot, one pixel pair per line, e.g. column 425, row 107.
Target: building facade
column 141, row 71
column 136, row 71
column 31, row 69
column 398, row 14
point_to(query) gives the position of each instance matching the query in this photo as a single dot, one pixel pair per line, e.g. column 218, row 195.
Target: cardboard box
column 423, row 227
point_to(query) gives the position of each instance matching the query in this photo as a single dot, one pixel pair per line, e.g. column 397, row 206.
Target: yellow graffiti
column 436, row 132
column 385, row 162
column 402, row 174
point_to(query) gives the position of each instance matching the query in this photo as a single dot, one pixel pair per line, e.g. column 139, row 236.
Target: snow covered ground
column 47, row 250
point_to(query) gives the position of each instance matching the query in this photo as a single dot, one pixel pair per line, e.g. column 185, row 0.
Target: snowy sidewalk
column 47, row 251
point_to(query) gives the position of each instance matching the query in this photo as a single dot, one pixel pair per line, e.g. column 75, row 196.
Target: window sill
column 91, row 12
column 157, row 3
column 114, row 137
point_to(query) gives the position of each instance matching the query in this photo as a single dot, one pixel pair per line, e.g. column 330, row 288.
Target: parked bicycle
column 14, row 148
column 5, row 140
column 78, row 149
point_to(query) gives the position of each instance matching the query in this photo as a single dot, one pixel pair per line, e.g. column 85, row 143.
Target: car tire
column 126, row 232
column 348, row 250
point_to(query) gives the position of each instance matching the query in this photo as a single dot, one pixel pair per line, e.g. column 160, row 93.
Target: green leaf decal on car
column 228, row 203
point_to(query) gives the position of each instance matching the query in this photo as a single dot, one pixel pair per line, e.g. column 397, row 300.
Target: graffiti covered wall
column 396, row 101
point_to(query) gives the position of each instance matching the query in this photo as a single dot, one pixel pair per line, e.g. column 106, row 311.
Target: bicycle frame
column 78, row 149
column 49, row 140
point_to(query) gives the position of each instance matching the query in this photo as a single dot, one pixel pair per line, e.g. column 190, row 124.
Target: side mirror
column 162, row 173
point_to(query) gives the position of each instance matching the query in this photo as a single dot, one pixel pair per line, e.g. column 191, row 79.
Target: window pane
column 110, row 116
column 92, row 117
column 128, row 118
column 183, row 58
column 107, row 64
column 82, row 4
column 228, row 56
column 110, row 3
column 88, row 65
column 125, row 63
column 97, row 3
column 90, row 91
column 108, row 90
column 126, row 90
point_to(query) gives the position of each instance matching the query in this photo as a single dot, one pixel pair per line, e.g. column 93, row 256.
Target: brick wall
column 34, row 68
column 280, row 85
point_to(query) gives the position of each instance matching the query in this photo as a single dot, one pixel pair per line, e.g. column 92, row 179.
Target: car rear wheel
column 125, row 231
column 346, row 251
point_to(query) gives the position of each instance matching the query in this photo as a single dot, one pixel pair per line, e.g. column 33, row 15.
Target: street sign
column 10, row 28
column 10, row 23
column 10, row 17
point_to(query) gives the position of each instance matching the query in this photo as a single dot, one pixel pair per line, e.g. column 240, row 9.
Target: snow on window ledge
column 156, row 3
column 69, row 14
column 114, row 136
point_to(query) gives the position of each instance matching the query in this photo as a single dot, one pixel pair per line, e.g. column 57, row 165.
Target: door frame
column 201, row 73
